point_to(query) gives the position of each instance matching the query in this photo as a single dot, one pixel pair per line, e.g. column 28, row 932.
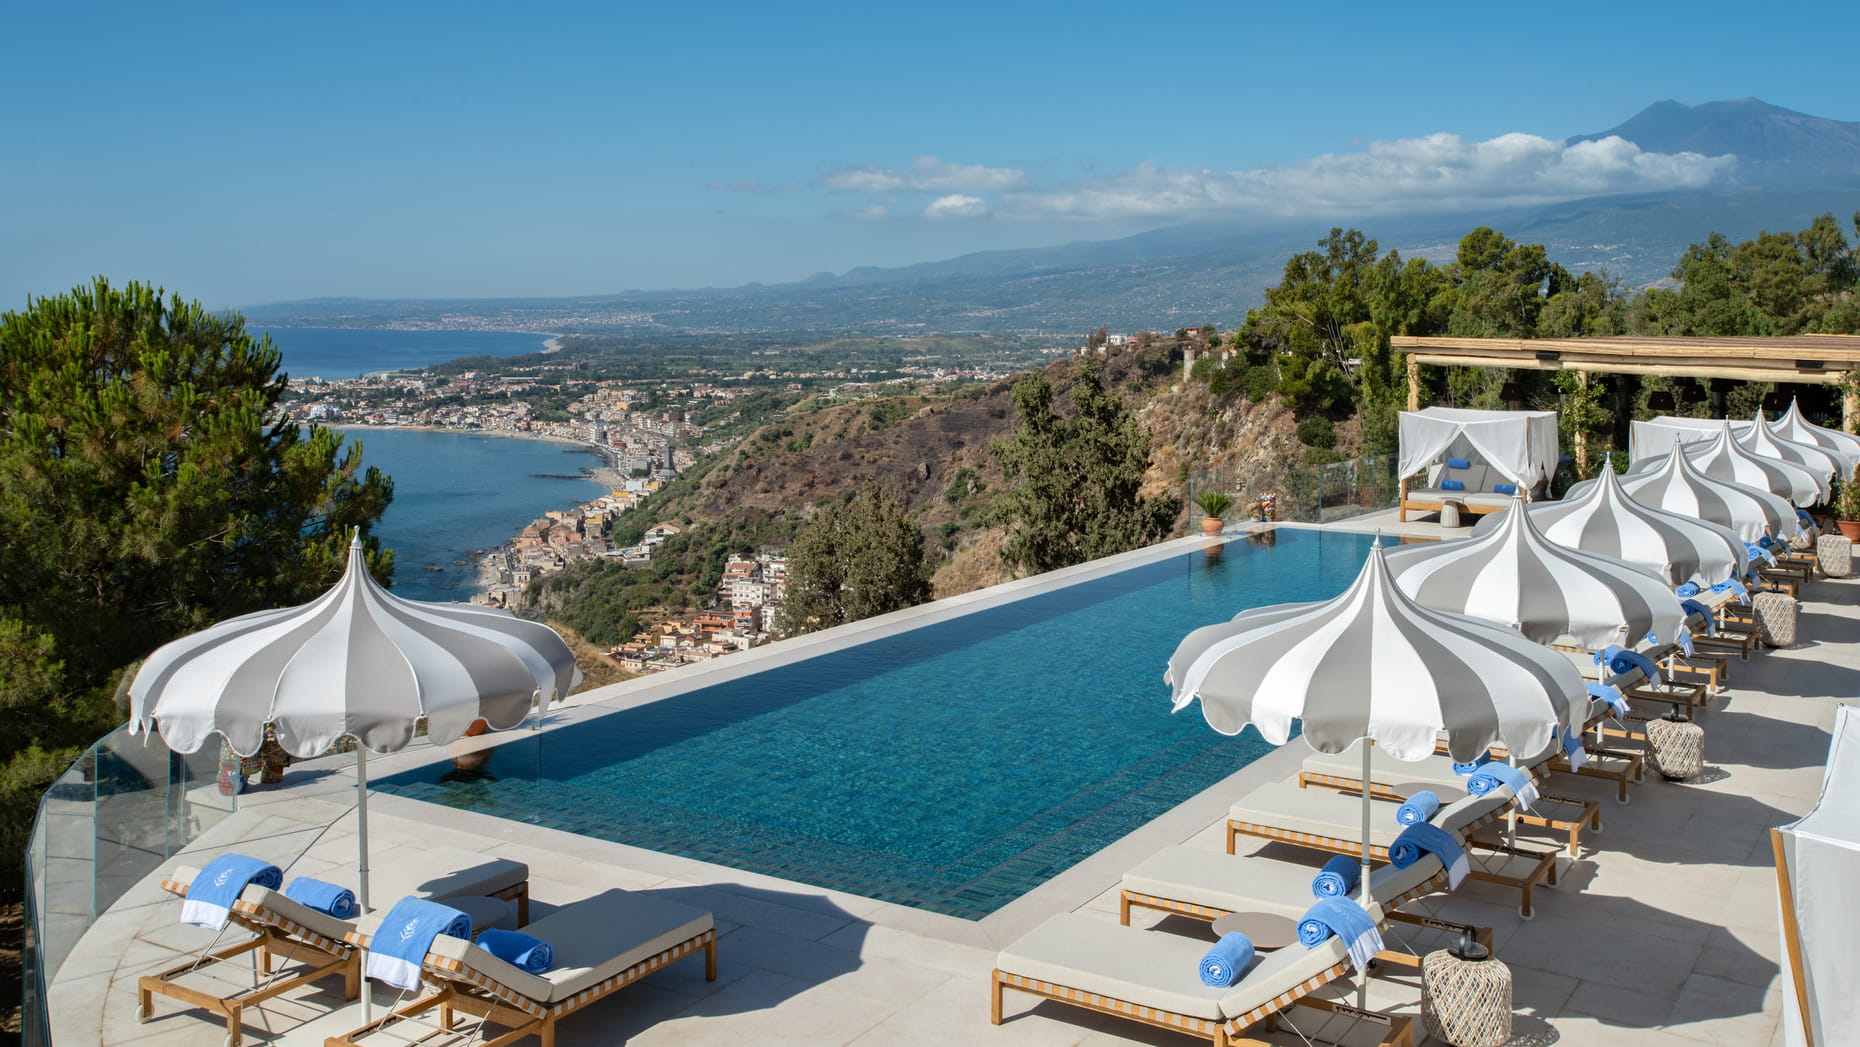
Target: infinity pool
column 953, row 767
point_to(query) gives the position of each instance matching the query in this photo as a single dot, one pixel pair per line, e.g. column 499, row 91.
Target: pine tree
column 854, row 559
column 1076, row 498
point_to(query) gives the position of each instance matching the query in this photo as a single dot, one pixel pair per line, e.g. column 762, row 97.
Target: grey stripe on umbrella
column 1678, row 487
column 1762, row 440
column 1724, row 459
column 1794, row 426
column 1514, row 576
column 1598, row 516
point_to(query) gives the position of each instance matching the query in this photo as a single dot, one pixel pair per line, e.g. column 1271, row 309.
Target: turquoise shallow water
column 952, row 768
column 458, row 492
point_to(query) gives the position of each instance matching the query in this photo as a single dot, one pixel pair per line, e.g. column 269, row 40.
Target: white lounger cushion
column 1337, row 816
column 1156, row 969
column 1251, row 883
column 592, row 940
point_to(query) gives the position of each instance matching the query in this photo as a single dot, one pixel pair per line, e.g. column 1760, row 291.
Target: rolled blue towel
column 211, row 895
column 1692, row 607
column 1418, row 808
column 1490, row 778
column 1427, row 838
column 1757, row 552
column 536, row 956
column 1687, row 589
column 1617, row 702
column 1732, row 585
column 1225, row 962
column 1346, row 920
column 1477, row 762
column 327, row 898
column 1338, row 878
column 1458, row 463
column 1620, row 660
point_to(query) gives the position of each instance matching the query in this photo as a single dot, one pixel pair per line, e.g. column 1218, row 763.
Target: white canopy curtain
column 1817, row 866
column 1519, row 444
column 1654, row 438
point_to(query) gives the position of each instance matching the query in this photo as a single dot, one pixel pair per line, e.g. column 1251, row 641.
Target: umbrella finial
column 355, row 537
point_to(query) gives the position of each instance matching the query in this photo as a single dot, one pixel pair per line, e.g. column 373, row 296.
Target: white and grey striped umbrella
column 1513, row 576
column 1794, row 426
column 1725, row 459
column 1372, row 663
column 1760, row 439
column 1677, row 486
column 355, row 662
column 1603, row 519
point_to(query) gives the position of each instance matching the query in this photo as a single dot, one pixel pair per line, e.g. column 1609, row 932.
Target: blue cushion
column 1505, row 488
column 1458, row 463
column 1453, row 485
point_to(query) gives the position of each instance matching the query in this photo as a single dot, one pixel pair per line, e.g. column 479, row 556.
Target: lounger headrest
column 1463, row 813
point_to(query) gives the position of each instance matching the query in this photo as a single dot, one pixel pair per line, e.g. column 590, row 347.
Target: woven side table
column 1836, row 554
column 1775, row 614
column 1677, row 746
column 1466, row 996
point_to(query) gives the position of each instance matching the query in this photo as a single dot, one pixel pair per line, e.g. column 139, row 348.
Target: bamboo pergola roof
column 1796, row 358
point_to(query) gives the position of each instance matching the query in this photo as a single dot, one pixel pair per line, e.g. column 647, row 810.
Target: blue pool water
column 952, row 767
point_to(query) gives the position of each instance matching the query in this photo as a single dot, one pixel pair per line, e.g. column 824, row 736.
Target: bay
column 344, row 352
column 459, row 492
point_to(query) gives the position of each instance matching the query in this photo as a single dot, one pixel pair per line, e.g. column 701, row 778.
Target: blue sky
column 244, row 153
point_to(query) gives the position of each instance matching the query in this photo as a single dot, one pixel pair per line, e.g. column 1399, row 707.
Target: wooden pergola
column 1807, row 358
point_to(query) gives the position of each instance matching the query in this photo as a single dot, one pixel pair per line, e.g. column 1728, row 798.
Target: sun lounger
column 295, row 945
column 1566, row 815
column 1152, row 978
column 1333, row 822
column 601, row 944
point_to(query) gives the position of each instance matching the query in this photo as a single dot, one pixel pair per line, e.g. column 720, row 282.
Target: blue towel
column 1620, row 660
column 406, row 935
column 1505, row 488
column 1224, row 963
column 1802, row 515
column 1458, row 463
column 1417, row 808
column 1573, row 750
column 1338, row 879
column 1497, row 774
column 1479, row 761
column 1610, row 694
column 1427, row 838
column 211, row 895
column 1766, row 542
column 1757, row 552
column 1688, row 589
column 1735, row 586
column 520, row 950
column 1346, row 920
column 1692, row 607
column 1453, row 485
column 326, row 898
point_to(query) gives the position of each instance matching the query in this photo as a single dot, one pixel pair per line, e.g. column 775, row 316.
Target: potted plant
column 1847, row 510
column 1214, row 503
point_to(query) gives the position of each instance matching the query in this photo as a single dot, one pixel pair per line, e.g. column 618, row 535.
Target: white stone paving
column 1663, row 931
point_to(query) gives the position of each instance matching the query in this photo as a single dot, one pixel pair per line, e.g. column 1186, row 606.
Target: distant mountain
column 1791, row 168
column 1775, row 147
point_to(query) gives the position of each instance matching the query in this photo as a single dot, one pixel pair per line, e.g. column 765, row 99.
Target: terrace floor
column 1663, row 932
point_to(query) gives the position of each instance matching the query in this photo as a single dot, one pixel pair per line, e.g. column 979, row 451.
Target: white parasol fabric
column 1513, row 576
column 356, row 662
column 1725, row 459
column 1794, row 426
column 1674, row 484
column 1760, row 439
column 1817, row 863
column 1601, row 518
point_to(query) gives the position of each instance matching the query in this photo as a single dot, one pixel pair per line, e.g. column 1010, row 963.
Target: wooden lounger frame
column 460, row 989
column 1539, row 865
column 1589, row 812
column 274, row 938
column 1229, row 1033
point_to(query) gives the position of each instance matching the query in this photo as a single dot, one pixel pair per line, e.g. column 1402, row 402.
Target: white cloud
column 957, row 205
column 1433, row 173
column 869, row 214
column 926, row 174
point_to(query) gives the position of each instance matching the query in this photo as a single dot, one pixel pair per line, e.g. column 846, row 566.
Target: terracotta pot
column 1211, row 525
column 1850, row 529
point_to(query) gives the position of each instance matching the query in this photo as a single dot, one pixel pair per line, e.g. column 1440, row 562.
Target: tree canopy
column 854, row 559
column 1076, row 481
column 144, row 494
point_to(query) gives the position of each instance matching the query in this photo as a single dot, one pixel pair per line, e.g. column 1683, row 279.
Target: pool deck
column 1662, row 932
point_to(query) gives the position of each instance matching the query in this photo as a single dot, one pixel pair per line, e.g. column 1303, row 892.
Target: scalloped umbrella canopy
column 1513, row 576
column 1762, row 440
column 356, row 662
column 1372, row 663
column 1723, row 459
column 1604, row 520
column 1794, row 426
column 1677, row 486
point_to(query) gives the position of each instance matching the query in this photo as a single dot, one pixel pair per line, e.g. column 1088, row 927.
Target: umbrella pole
column 361, row 843
column 1362, row 977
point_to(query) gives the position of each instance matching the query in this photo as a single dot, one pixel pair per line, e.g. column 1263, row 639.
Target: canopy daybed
column 1475, row 460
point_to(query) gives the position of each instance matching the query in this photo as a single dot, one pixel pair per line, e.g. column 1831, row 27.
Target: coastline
column 604, row 474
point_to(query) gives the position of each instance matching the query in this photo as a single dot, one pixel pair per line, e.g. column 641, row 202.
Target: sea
column 455, row 494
